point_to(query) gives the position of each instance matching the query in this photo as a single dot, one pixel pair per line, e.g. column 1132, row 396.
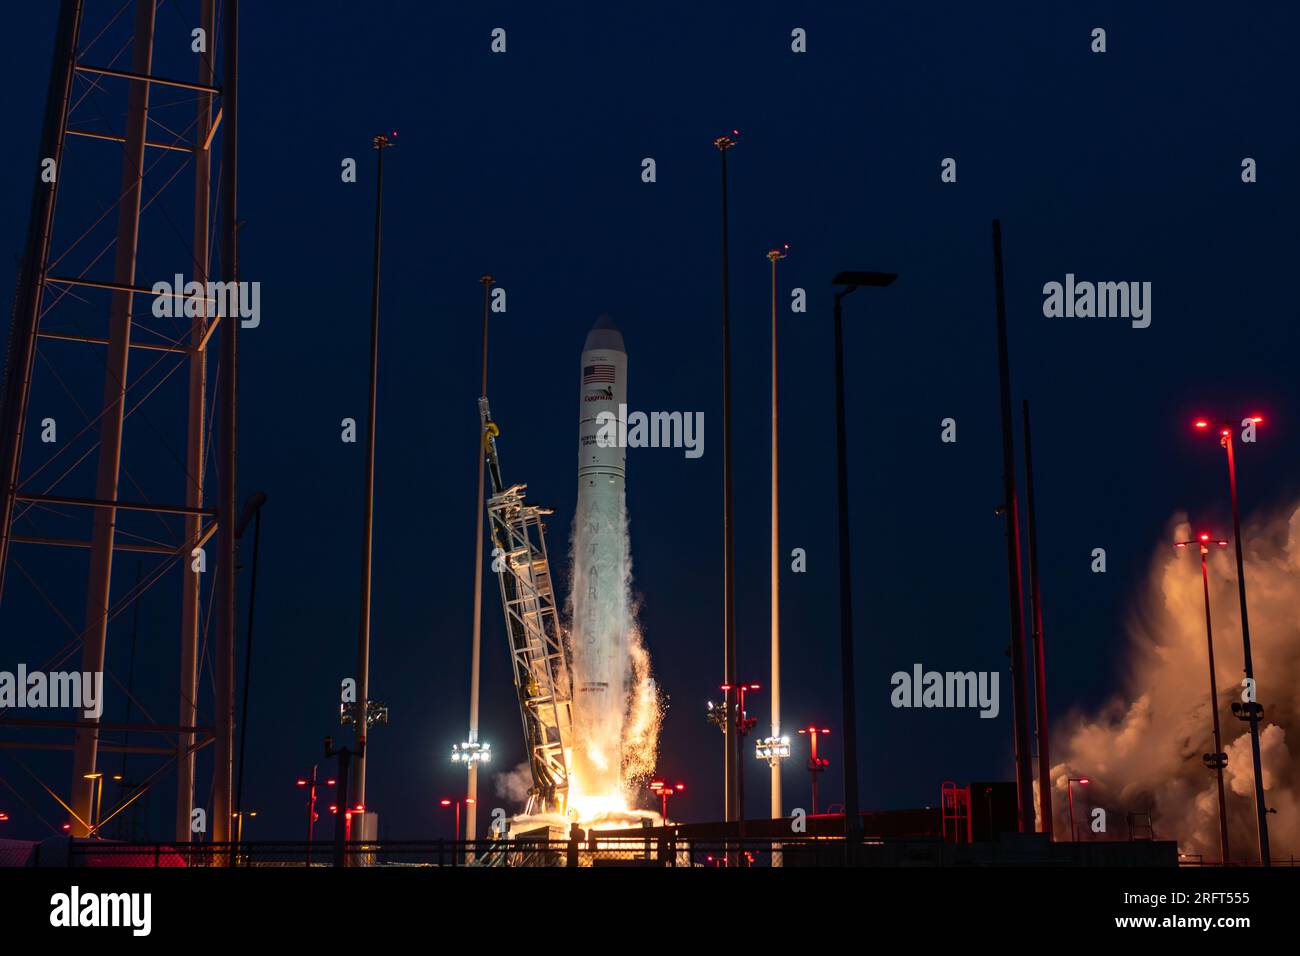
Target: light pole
column 471, row 753
column 664, row 790
column 1011, row 509
column 773, row 743
column 309, row 782
column 743, row 724
column 1069, row 793
column 849, row 283
column 1218, row 760
column 239, row 823
column 252, row 512
column 816, row 764
column 97, row 788
column 731, row 761
column 471, row 766
column 1250, row 710
column 361, row 718
column 447, row 802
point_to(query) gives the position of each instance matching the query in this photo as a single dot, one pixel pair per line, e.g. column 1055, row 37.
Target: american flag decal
column 598, row 375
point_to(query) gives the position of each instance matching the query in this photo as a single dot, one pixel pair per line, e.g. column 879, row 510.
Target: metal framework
column 58, row 272
column 538, row 657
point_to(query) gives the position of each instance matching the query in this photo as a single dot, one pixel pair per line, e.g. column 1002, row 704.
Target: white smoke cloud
column 1142, row 751
column 513, row 785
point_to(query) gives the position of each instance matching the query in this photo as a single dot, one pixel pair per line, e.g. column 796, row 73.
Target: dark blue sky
column 1122, row 166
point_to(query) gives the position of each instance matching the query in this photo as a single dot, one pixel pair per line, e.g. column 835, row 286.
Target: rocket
column 601, row 566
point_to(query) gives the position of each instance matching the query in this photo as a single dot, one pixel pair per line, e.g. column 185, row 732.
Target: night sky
column 1123, row 166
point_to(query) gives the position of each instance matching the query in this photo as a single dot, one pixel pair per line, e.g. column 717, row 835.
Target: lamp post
column 97, row 788
column 1069, row 792
column 471, row 766
column 239, row 816
column 774, row 748
column 447, row 802
column 252, row 512
column 361, row 717
column 309, row 783
column 663, row 791
column 1249, row 710
column 1011, row 509
column 471, row 753
column 731, row 760
column 816, row 764
column 1218, row 760
column 849, row 283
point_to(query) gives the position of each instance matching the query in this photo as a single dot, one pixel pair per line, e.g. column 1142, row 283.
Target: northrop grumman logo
column 656, row 430
column 603, row 395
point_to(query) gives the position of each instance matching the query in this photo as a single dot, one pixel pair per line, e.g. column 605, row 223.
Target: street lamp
column 252, row 512
column 665, row 790
column 849, row 282
column 1069, row 792
column 773, row 743
column 816, row 764
column 309, row 782
column 1250, row 710
column 471, row 766
column 1218, row 760
column 733, row 794
column 97, row 787
column 238, row 816
column 447, row 802
column 471, row 752
column 744, row 724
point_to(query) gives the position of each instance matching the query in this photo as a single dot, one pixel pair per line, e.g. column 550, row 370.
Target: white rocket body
column 601, row 565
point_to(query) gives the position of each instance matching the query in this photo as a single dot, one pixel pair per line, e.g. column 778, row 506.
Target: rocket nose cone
column 604, row 335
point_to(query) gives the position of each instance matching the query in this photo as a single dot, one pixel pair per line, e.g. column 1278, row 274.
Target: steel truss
column 87, row 75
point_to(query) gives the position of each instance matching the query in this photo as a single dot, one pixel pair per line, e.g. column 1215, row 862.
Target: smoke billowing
column 616, row 709
column 1142, row 752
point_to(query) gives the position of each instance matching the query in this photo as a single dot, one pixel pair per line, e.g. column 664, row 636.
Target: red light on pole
column 816, row 764
column 664, row 791
column 446, row 802
column 1252, row 710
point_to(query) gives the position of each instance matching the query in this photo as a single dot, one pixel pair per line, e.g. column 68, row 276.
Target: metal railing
column 651, row 851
